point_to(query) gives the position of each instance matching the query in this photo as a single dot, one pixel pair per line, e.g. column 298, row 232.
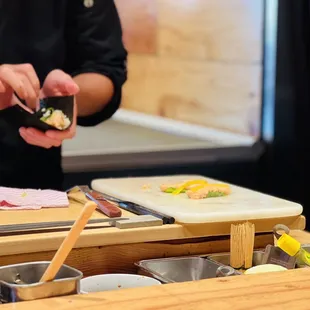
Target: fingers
column 10, row 78
column 32, row 141
column 52, row 138
column 58, row 83
column 31, row 82
column 32, row 96
column 61, row 135
column 2, row 87
column 38, row 138
column 22, row 79
column 32, row 76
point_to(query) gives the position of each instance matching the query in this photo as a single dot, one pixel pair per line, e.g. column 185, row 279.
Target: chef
column 55, row 48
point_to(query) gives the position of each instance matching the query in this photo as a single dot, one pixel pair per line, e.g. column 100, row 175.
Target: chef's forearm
column 96, row 91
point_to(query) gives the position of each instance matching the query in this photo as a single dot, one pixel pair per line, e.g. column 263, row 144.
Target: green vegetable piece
column 169, row 190
column 46, row 117
column 215, row 194
column 172, row 189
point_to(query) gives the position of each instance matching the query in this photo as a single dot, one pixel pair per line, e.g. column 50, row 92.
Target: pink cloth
column 31, row 199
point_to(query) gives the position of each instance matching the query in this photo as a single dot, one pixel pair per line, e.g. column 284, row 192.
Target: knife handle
column 105, row 206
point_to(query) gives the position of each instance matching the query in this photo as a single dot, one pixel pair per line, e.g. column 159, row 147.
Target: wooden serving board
column 241, row 204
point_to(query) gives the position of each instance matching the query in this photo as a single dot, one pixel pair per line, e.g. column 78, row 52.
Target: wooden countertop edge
column 16, row 244
column 279, row 290
column 11, row 245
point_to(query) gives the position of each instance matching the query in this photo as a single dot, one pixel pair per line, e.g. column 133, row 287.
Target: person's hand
column 23, row 80
column 57, row 83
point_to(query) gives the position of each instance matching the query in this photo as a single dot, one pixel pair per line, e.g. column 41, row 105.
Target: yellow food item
column 197, row 189
column 177, row 188
column 208, row 191
column 146, row 186
column 188, row 185
column 264, row 269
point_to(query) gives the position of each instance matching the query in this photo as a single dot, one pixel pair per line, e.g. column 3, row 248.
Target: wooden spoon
column 69, row 242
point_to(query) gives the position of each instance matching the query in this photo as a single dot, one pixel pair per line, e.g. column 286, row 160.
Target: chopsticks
column 69, row 242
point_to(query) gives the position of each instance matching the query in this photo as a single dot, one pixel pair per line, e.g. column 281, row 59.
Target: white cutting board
column 241, row 204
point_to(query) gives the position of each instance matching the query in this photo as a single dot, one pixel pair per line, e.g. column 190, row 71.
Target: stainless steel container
column 20, row 282
column 180, row 269
column 224, row 258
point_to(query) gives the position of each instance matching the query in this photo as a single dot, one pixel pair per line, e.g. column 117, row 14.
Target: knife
column 136, row 208
column 104, row 206
column 31, row 226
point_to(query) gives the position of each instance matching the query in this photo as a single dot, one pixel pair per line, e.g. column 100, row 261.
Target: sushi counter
column 182, row 250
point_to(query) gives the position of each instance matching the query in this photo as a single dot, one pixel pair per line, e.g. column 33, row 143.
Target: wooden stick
column 236, row 246
column 248, row 243
column 69, row 242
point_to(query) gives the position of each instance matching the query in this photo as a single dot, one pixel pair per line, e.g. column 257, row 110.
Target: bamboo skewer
column 248, row 243
column 236, row 246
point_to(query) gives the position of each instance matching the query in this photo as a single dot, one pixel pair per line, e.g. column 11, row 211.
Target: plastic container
column 293, row 248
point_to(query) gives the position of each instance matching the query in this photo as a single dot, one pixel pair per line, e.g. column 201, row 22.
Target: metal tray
column 20, row 282
column 180, row 269
column 224, row 258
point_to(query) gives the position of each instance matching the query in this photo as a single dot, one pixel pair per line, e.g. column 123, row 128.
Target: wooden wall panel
column 197, row 61
column 139, row 22
column 206, row 93
column 220, row 30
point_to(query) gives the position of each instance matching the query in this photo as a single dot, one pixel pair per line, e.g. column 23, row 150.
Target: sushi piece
column 55, row 118
column 181, row 187
column 208, row 191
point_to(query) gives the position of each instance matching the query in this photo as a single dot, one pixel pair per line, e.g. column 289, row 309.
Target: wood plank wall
column 198, row 61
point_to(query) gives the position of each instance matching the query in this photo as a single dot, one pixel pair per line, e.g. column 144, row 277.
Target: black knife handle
column 140, row 210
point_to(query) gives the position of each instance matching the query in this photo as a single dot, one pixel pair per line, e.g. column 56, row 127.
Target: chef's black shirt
column 77, row 36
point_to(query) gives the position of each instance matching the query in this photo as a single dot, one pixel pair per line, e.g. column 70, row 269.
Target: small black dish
column 18, row 117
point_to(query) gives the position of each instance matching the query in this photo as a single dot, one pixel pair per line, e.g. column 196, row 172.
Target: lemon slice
column 189, row 183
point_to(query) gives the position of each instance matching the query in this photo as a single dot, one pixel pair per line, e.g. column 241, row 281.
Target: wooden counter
column 108, row 249
column 104, row 245
column 104, row 234
column 282, row 290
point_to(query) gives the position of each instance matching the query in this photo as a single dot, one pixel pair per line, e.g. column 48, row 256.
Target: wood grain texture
column 203, row 93
column 282, row 290
column 105, row 235
column 197, row 62
column 122, row 257
column 217, row 30
column 33, row 243
column 139, row 23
